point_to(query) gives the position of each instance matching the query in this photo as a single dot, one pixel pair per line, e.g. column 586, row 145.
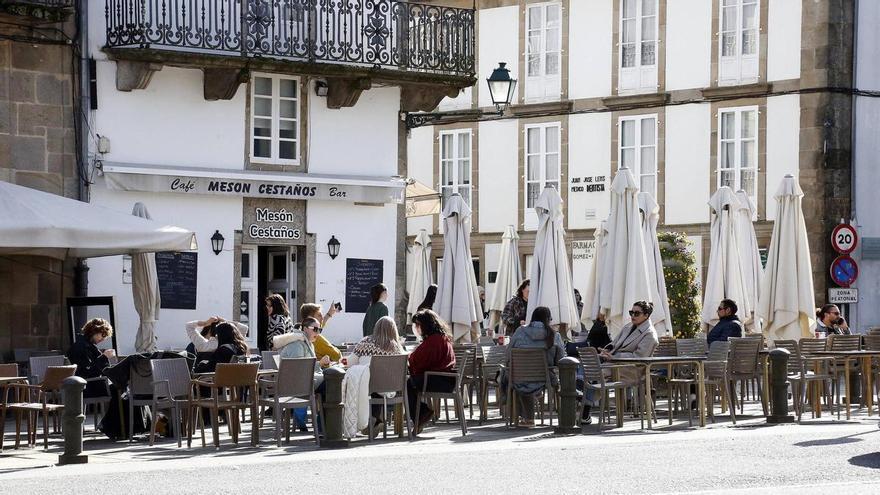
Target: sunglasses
column 636, row 313
column 316, row 329
column 721, row 308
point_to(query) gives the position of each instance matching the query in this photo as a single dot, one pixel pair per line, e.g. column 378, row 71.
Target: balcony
column 351, row 43
column 37, row 11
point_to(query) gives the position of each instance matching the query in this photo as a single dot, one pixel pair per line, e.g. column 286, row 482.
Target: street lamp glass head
column 217, row 242
column 501, row 86
column 333, row 247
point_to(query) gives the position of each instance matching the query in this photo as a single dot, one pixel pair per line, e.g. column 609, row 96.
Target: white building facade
column 689, row 94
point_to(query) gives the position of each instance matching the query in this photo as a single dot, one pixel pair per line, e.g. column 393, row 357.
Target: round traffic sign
column 844, row 238
column 844, row 270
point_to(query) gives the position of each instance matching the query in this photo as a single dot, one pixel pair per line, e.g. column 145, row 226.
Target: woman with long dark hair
column 377, row 308
column 230, row 344
column 514, row 314
column 541, row 335
column 430, row 297
column 279, row 318
column 433, row 354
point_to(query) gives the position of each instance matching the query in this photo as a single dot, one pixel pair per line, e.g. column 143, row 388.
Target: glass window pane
column 534, row 64
column 262, row 128
column 446, row 192
column 750, row 16
column 262, row 86
column 748, row 182
column 288, row 88
column 649, row 56
column 446, row 146
column 648, row 161
column 533, row 166
column 629, row 8
column 288, row 109
column 553, row 15
column 464, row 145
column 245, row 265
column 727, row 178
column 728, row 152
column 552, row 167
column 551, row 67
column 749, row 156
column 628, row 158
column 628, row 133
column 728, row 45
column 628, row 56
column 536, row 17
column 464, row 171
column 727, row 125
column 263, row 107
column 287, row 129
column 552, row 140
column 629, row 31
column 262, row 148
column 649, row 7
column 465, row 193
column 287, row 150
column 534, row 189
column 728, row 22
column 749, row 124
column 750, row 42
column 533, row 143
column 646, row 184
column 649, row 28
column 552, row 41
column 648, row 129
column 552, row 183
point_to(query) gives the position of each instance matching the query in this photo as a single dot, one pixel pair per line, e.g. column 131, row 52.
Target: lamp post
column 217, row 242
column 333, row 247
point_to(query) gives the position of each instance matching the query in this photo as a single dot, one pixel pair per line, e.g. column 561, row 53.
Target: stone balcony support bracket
column 424, row 97
column 222, row 84
column 132, row 75
column 345, row 92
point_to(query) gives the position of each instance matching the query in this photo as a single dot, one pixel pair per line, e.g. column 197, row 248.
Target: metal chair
column 799, row 376
column 471, row 377
column 294, row 389
column 37, row 366
column 455, row 395
column 268, row 361
column 838, row 367
column 140, row 393
column 526, row 366
column 715, row 369
column 594, row 379
column 489, row 377
column 171, row 391
column 872, row 343
column 225, row 388
column 388, row 376
column 743, row 365
column 683, row 375
column 36, row 402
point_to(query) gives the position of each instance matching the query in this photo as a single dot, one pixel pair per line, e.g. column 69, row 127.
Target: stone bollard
column 567, row 396
column 72, row 420
column 779, row 387
column 333, row 409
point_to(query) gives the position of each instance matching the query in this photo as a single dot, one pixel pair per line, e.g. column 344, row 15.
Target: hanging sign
column 844, row 270
column 844, row 238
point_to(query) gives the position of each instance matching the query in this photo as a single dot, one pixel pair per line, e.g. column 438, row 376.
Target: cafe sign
column 273, row 221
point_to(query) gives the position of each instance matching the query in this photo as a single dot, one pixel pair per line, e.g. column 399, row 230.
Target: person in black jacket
column 728, row 323
column 597, row 337
column 89, row 360
column 230, row 344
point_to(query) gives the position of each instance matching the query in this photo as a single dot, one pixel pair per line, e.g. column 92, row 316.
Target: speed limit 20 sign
column 844, row 238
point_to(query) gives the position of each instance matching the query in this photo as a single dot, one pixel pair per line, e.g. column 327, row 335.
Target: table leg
column 398, row 420
column 848, row 390
column 868, row 392
column 618, row 400
column 701, row 392
column 766, row 386
column 649, row 404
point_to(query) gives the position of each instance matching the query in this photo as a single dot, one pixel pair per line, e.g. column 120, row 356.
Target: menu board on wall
column 177, row 274
column 360, row 276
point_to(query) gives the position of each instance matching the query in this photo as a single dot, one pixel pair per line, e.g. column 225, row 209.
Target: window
column 637, row 150
column 738, row 149
column 248, row 294
column 275, row 120
column 638, row 45
column 542, row 164
column 543, row 51
column 738, row 43
column 455, row 164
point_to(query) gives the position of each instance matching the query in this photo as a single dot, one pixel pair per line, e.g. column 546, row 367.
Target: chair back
column 295, row 378
column 388, row 373
column 743, row 358
column 874, row 331
column 175, row 372
column 54, row 375
column 10, row 369
column 140, row 381
column 460, row 350
column 592, row 365
column 811, row 346
column 872, row 342
column 844, row 342
column 39, row 365
column 268, row 362
column 719, row 350
column 463, row 364
column 666, row 347
column 528, row 365
column 794, row 354
column 690, row 347
column 239, row 374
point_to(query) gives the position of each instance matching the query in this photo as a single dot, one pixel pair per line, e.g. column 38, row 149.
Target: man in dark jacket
column 728, row 323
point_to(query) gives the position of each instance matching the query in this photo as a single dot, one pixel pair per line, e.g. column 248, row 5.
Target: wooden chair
column 470, row 378
column 294, row 388
column 33, row 400
column 388, row 376
column 528, row 365
column 171, row 391
column 716, row 378
column 838, row 367
column 799, row 376
column 594, row 379
column 872, row 343
column 456, row 395
column 225, row 388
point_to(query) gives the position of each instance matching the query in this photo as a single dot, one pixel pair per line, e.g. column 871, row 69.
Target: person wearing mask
column 89, row 360
column 728, row 324
column 829, row 321
column 430, row 298
column 279, row 318
column 538, row 334
column 325, row 352
column 202, row 334
column 377, row 308
column 385, row 341
column 514, row 314
column 433, row 354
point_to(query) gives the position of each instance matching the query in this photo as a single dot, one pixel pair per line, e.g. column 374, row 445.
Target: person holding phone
column 89, row 360
column 829, row 321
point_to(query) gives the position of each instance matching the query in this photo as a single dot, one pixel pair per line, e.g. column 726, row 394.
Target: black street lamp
column 501, row 87
column 333, row 247
column 217, row 242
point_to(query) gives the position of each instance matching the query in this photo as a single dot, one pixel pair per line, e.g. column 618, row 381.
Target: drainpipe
column 853, row 315
column 81, row 272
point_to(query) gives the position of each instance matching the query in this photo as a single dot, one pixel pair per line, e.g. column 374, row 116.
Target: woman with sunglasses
column 300, row 344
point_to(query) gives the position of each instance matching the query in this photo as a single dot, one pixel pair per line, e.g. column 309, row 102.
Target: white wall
column 589, row 155
column 462, row 101
column 589, row 57
column 499, row 175
column 359, row 140
column 498, row 42
column 203, row 215
column 783, row 144
column 688, row 140
column 784, row 40
column 491, row 255
column 170, row 123
column 420, row 166
column 688, row 44
column 364, row 232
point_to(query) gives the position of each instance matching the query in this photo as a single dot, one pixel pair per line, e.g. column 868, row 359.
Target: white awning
column 36, row 223
column 253, row 183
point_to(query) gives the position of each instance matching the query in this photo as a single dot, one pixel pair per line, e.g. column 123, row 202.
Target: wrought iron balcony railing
column 385, row 33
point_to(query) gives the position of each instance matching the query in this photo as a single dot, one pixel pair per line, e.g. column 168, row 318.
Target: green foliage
column 682, row 286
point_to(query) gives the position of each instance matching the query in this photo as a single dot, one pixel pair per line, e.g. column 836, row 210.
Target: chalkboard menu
column 177, row 274
column 360, row 276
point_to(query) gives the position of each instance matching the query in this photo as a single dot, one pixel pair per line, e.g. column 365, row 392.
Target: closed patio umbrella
column 458, row 301
column 625, row 267
column 750, row 257
column 594, row 288
column 145, row 290
column 786, row 306
column 422, row 275
column 551, row 284
column 725, row 279
column 508, row 276
column 661, row 318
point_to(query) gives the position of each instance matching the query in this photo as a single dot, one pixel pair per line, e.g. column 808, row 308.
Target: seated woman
column 385, row 341
column 299, row 344
column 325, row 352
column 230, row 344
column 433, row 354
column 202, row 334
column 536, row 335
column 89, row 360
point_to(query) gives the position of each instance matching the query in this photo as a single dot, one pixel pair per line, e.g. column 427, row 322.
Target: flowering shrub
column 682, row 284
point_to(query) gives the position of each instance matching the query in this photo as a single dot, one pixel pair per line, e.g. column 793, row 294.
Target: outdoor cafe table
column 8, row 380
column 648, row 362
column 865, row 357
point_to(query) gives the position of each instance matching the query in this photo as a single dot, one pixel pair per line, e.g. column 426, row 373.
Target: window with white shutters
column 543, row 52
column 543, row 164
column 455, row 164
column 275, row 120
column 738, row 37
column 637, row 149
column 738, row 149
column 638, row 46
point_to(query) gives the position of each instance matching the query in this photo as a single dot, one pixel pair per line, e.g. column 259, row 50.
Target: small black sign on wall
column 360, row 276
column 178, row 275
